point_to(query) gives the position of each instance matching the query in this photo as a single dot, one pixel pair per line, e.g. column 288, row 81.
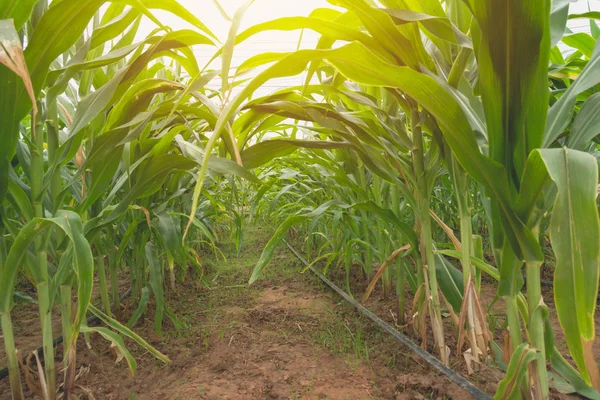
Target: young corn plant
column 89, row 107
column 105, row 133
column 499, row 136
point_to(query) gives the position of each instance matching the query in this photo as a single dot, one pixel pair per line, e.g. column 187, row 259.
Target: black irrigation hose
column 91, row 320
column 431, row 360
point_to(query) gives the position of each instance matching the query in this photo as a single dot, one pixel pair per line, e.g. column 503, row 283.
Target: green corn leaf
column 156, row 282
column 560, row 113
column 155, row 172
column 64, row 274
column 265, row 151
column 123, row 330
column 126, row 238
column 575, row 233
column 477, row 262
column 60, row 27
column 513, row 76
column 439, row 26
column 278, row 236
column 83, row 261
column 151, row 176
column 18, row 10
column 137, row 100
column 186, row 59
column 21, row 297
column 14, row 71
column 123, row 179
column 573, row 377
column 389, row 215
column 580, row 41
column 15, row 260
column 102, row 165
column 117, row 340
column 359, row 64
column 509, row 387
column 113, row 28
column 383, row 30
column 558, row 20
column 318, row 212
column 96, row 102
column 71, row 224
column 586, row 15
column 20, row 200
column 174, row 8
column 450, row 280
column 587, row 123
column 170, row 235
column 217, row 164
column 202, row 227
column 140, row 309
column 227, row 53
column 329, row 29
column 79, row 63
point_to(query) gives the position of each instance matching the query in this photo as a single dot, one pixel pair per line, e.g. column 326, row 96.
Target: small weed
column 337, row 336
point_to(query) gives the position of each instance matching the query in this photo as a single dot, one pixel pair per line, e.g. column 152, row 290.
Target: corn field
column 437, row 151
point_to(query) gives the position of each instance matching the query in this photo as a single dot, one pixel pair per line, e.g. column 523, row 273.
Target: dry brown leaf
column 11, row 55
column 30, row 375
column 381, row 270
column 117, row 353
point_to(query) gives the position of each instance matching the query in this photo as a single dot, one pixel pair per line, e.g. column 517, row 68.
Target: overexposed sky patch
column 280, row 41
column 260, row 11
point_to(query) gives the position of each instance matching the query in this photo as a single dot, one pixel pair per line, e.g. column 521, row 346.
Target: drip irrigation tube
column 91, row 320
column 431, row 360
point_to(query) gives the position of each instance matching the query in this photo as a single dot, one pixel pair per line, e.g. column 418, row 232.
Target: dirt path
column 283, row 338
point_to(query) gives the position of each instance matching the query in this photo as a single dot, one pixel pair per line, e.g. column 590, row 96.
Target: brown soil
column 282, row 338
column 286, row 337
column 488, row 377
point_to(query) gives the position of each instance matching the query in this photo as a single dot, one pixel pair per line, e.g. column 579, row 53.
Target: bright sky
column 581, row 6
column 260, row 11
column 265, row 10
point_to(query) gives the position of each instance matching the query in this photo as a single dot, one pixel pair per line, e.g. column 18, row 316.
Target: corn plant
column 417, row 119
column 503, row 136
column 103, row 132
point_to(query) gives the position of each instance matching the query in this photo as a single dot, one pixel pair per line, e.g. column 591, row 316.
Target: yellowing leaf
column 11, row 55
